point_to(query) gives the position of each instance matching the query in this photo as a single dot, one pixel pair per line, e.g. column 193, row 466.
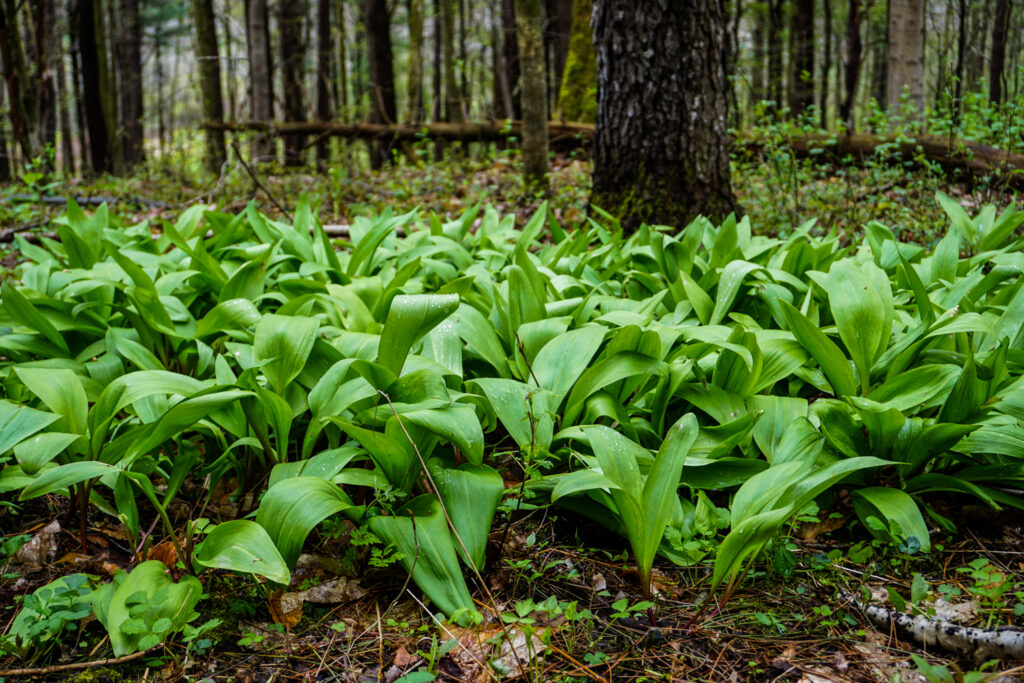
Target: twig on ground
column 256, row 180
column 57, row 668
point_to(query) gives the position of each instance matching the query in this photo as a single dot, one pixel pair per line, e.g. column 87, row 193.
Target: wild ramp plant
column 641, row 381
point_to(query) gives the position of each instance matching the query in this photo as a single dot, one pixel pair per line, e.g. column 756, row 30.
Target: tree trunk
column 577, row 99
column 826, row 66
column 129, row 56
column 661, row 152
column 107, row 47
column 530, row 24
column 323, row 75
column 775, row 65
column 801, row 56
column 961, row 47
column 5, row 161
column 906, row 53
column 290, row 18
column 209, row 78
column 453, row 100
column 383, row 107
column 96, row 122
column 511, row 44
column 995, row 69
column 47, row 52
column 339, row 9
column 414, row 91
column 854, row 48
column 64, row 109
column 463, row 60
column 557, row 34
column 77, row 98
column 261, row 74
column 757, row 36
column 20, row 94
column 880, row 60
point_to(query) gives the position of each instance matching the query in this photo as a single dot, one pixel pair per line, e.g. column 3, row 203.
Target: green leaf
column 562, row 360
column 64, row 476
column 62, row 392
column 21, row 310
column 421, row 534
column 292, row 507
column 828, row 355
column 34, row 452
column 283, row 344
column 242, row 545
column 471, row 494
column 411, row 316
column 901, row 514
column 18, row 423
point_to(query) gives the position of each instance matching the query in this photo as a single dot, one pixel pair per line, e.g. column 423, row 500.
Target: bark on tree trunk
column 826, row 66
column 209, row 78
column 47, row 52
column 995, row 70
column 339, row 9
column 854, row 48
column 129, row 55
column 801, row 41
column 906, row 53
column 77, row 99
column 530, row 24
column 290, row 19
column 261, row 74
column 961, row 47
column 453, row 104
column 19, row 91
column 105, row 38
column 511, row 45
column 414, row 91
column 577, row 99
column 661, row 146
column 64, row 104
column 99, row 146
column 757, row 71
column 880, row 59
column 775, row 66
column 323, row 76
column 382, row 78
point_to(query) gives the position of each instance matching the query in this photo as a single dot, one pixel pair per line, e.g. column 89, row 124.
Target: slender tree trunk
column 323, row 75
column 995, row 69
column 511, row 44
column 453, row 104
column 661, row 153
column 383, row 107
column 437, row 109
column 77, row 98
column 129, row 57
column 961, row 47
column 757, row 71
column 229, row 64
column 530, row 22
column 557, row 33
column 209, row 78
column 854, row 49
column 64, row 107
column 47, row 52
column 161, row 120
column 826, row 66
column 577, row 98
column 414, row 91
column 108, row 46
column 261, row 74
column 290, row 19
column 342, row 60
column 880, row 59
column 801, row 70
column 906, row 53
column 463, row 59
column 775, row 65
column 5, row 160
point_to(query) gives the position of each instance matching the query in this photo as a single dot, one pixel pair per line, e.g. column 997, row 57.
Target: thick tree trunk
column 209, row 79
column 323, row 75
column 20, row 94
column 261, row 74
column 77, row 98
column 290, row 19
column 129, row 56
column 995, row 69
column 854, row 50
column 801, row 67
column 382, row 78
column 530, row 22
column 414, row 90
column 96, row 122
column 906, row 53
column 106, row 42
column 661, row 152
column 577, row 100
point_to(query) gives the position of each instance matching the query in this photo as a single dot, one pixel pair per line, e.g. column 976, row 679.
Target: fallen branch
column 57, row 200
column 57, row 668
column 982, row 643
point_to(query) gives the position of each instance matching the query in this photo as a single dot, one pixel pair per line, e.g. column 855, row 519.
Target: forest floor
column 569, row 610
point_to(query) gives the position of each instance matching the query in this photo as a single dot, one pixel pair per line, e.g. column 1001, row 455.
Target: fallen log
column 58, row 200
column 953, row 154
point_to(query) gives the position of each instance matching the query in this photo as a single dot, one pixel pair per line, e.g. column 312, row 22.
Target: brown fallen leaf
column 808, row 531
column 402, row 658
column 166, row 552
column 598, row 582
column 285, row 608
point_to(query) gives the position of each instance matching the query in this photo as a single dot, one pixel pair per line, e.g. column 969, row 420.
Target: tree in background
column 414, row 89
column 999, row 31
column 530, row 22
column 209, row 76
column 906, row 53
column 661, row 147
column 291, row 14
column 324, row 58
column 128, row 54
column 801, row 69
column 383, row 104
column 261, row 73
column 577, row 99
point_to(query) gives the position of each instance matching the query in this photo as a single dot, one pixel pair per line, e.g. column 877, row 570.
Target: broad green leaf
column 283, row 343
column 562, row 360
column 292, row 507
column 242, row 545
column 64, row 476
column 898, row 510
column 411, row 316
column 21, row 310
column 62, row 392
column 829, row 357
column 471, row 494
column 18, row 423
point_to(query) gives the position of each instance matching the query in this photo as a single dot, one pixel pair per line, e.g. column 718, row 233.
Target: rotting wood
column 981, row 643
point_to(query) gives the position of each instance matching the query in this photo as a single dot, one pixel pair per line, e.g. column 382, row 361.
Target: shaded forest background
column 102, row 85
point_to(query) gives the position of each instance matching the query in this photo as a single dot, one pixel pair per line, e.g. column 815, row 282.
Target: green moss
column 577, row 98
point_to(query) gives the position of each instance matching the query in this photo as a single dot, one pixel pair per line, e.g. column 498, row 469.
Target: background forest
column 474, row 340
